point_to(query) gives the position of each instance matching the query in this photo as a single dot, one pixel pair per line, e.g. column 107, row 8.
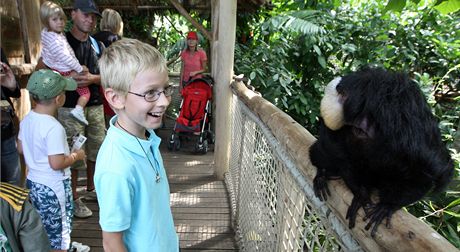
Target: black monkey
column 378, row 134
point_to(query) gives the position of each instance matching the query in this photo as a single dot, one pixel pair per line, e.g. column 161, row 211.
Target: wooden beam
column 197, row 25
column 139, row 7
column 135, row 3
column 24, row 30
column 223, row 77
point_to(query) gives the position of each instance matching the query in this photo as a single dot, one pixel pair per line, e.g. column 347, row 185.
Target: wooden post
column 223, row 77
column 24, row 30
column 215, row 35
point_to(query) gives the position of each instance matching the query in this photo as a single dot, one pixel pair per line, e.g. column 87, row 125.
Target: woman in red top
column 194, row 60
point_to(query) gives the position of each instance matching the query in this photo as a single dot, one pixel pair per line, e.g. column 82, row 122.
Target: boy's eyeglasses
column 154, row 95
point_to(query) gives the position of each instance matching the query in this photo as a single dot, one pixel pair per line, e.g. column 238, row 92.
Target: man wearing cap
column 43, row 141
column 87, row 50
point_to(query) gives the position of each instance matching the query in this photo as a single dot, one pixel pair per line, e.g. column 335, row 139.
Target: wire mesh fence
column 273, row 208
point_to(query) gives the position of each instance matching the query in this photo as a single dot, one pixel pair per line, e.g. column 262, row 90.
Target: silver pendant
column 157, row 178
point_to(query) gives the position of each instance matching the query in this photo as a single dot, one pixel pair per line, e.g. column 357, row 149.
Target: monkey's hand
column 320, row 187
column 376, row 214
column 353, row 211
column 361, row 198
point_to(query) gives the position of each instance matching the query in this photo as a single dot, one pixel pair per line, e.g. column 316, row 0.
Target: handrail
column 407, row 233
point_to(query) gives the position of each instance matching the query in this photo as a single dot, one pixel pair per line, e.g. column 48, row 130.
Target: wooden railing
column 274, row 207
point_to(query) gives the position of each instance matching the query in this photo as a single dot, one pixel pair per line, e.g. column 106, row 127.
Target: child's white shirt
column 57, row 53
column 43, row 135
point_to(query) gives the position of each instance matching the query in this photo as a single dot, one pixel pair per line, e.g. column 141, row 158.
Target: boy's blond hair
column 49, row 9
column 111, row 21
column 124, row 59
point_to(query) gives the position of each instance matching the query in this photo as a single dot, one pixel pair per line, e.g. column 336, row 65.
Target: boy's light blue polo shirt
column 130, row 200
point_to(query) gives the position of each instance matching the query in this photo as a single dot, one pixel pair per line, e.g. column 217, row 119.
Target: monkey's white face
column 332, row 106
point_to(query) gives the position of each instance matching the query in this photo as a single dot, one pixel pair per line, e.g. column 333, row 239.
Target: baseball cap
column 46, row 84
column 192, row 35
column 86, row 6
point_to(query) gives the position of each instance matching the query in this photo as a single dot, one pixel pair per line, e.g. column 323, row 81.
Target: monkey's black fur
column 390, row 143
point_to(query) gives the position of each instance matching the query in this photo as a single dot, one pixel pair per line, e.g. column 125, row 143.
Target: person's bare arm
column 113, row 242
column 19, row 147
column 40, row 64
column 204, row 65
column 87, row 78
column 61, row 161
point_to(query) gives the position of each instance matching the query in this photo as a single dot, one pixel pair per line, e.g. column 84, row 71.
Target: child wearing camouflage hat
column 43, row 141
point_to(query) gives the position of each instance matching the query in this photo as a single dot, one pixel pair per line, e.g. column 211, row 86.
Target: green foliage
column 302, row 45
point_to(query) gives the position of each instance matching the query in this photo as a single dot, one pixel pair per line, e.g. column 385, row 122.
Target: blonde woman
column 111, row 27
column 111, row 30
column 194, row 60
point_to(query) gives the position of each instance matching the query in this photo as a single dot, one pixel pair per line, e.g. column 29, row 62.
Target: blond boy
column 131, row 182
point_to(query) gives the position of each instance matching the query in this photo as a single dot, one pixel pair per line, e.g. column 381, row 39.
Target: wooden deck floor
column 199, row 203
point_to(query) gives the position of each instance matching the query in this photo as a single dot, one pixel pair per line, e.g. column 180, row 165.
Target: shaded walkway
column 199, row 202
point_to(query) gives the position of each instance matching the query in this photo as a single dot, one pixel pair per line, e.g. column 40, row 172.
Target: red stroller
column 194, row 116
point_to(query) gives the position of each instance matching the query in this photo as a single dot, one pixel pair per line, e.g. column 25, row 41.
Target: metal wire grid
column 271, row 210
column 173, row 108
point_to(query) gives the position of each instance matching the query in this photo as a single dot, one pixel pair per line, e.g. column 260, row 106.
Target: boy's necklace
column 157, row 178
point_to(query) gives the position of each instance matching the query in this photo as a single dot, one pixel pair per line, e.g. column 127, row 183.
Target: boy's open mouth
column 156, row 114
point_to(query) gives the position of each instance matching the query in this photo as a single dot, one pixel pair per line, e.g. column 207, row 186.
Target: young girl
column 57, row 53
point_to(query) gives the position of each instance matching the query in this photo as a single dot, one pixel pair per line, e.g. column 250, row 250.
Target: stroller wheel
column 202, row 148
column 170, row 144
column 205, row 146
column 177, row 144
column 173, row 143
column 211, row 137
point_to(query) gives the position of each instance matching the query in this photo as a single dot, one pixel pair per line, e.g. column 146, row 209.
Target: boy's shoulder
column 46, row 121
column 14, row 195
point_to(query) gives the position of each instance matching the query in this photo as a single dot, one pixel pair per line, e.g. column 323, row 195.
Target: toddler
column 57, row 53
column 43, row 141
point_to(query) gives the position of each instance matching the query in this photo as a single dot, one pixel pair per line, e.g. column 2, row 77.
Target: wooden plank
column 202, row 216
column 199, row 203
column 218, row 241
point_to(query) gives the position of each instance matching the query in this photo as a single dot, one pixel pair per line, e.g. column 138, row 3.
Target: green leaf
column 453, row 203
column 303, row 99
column 252, row 76
column 337, row 3
column 457, row 215
column 448, row 6
column 317, row 50
column 453, row 234
column 395, row 5
column 322, row 61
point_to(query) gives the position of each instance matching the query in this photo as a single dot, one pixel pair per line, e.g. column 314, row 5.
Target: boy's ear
column 114, row 98
column 60, row 99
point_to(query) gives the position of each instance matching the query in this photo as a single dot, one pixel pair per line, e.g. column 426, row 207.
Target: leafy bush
column 295, row 53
